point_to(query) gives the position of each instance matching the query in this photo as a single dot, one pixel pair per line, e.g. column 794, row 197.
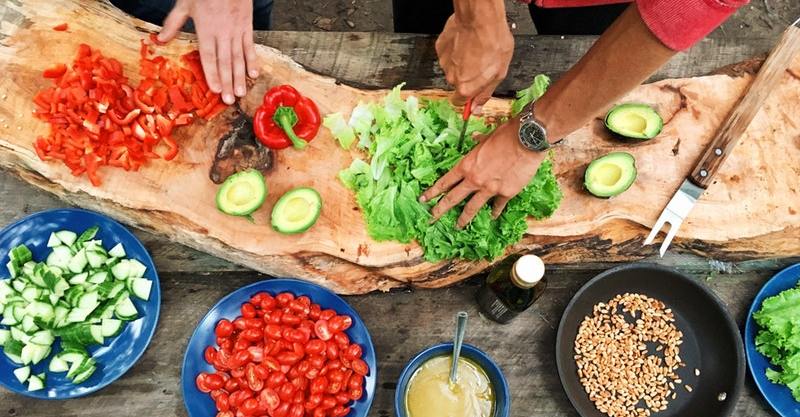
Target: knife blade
column 727, row 136
column 465, row 117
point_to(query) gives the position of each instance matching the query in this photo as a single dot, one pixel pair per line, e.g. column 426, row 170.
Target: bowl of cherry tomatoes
column 280, row 348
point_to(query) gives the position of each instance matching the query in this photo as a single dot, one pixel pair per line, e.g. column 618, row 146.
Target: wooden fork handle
column 745, row 110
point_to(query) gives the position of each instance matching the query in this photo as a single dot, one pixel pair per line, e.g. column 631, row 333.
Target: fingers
column 451, row 199
column 250, row 53
column 471, row 209
column 481, row 99
column 208, row 57
column 499, row 205
column 445, row 183
column 174, row 22
column 224, row 68
column 239, row 76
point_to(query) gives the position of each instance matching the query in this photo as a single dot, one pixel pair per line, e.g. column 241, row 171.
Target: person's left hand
column 499, row 167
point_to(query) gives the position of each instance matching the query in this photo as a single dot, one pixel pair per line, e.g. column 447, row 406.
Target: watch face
column 533, row 136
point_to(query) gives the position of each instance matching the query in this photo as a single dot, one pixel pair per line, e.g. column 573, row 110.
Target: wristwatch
column 532, row 134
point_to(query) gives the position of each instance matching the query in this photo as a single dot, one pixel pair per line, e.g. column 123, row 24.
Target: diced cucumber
column 67, row 237
column 20, row 254
column 31, row 293
column 40, row 309
column 18, row 285
column 94, row 244
column 8, row 316
column 73, row 294
column 87, row 235
column 61, row 287
column 140, row 287
column 96, row 258
column 5, row 290
column 14, row 358
column 72, row 357
column 78, row 262
column 111, row 327
column 60, row 257
column 53, row 241
column 35, row 383
column 137, row 269
column 43, row 337
column 33, row 353
column 13, row 269
column 121, row 270
column 97, row 333
column 27, row 322
column 22, row 374
column 89, row 300
column 83, row 376
column 19, row 335
column 50, row 279
column 77, row 315
column 58, row 365
column 118, row 251
column 99, row 277
column 110, row 289
column 27, row 353
column 78, row 367
column 19, row 313
column 5, row 334
column 125, row 310
column 60, row 318
column 79, row 278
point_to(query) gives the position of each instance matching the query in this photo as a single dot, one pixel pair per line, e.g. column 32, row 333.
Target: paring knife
column 728, row 135
column 465, row 116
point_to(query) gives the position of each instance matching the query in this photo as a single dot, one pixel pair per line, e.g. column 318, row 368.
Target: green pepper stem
column 286, row 118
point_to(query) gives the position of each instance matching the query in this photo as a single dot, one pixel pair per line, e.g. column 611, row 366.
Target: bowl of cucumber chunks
column 79, row 303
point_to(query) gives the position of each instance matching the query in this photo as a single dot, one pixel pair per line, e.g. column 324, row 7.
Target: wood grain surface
column 336, row 252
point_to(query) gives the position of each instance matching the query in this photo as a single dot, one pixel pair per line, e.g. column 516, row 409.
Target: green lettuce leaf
column 779, row 338
column 340, row 129
column 532, row 93
column 411, row 143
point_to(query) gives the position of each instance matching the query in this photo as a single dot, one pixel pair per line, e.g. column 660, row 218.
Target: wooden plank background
column 401, row 323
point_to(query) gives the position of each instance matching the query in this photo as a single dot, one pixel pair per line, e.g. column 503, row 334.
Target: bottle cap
column 527, row 271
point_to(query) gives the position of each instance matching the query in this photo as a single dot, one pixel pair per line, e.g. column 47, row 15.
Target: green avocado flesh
column 296, row 211
column 636, row 121
column 242, row 193
column 611, row 174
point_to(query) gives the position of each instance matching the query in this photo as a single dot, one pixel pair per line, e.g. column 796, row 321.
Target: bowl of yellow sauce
column 424, row 389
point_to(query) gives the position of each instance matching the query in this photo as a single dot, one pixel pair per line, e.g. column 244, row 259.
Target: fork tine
column 656, row 228
column 673, row 230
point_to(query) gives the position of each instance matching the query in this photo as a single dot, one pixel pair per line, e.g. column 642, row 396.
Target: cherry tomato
column 356, row 393
column 315, row 347
column 273, row 331
column 256, row 353
column 340, row 411
column 232, row 385
column 225, row 414
column 356, row 381
column 224, row 328
column 342, row 398
column 360, row 367
column 261, row 372
column 332, row 350
column 313, row 401
column 300, row 307
column 275, row 380
column 341, row 339
column 268, row 302
column 249, row 407
column 253, row 323
column 248, row 311
column 319, row 385
column 241, row 344
column 290, row 319
column 282, row 410
column 328, row 402
column 210, row 355
column 288, row 358
column 314, row 311
column 286, row 392
column 237, row 372
column 299, row 397
column 239, row 323
column 257, row 297
column 201, row 383
column 312, row 373
column 322, row 330
column 275, row 317
column 253, row 381
column 240, row 358
column 222, row 402
column 353, row 352
column 268, row 399
column 271, row 363
column 296, row 411
column 214, row 381
column 253, row 334
column 284, row 298
column 237, row 398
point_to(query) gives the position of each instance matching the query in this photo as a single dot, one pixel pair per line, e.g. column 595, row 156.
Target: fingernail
column 253, row 73
column 240, row 91
column 478, row 109
column 228, row 98
column 422, row 199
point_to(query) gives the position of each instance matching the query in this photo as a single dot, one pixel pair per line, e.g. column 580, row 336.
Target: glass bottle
column 511, row 287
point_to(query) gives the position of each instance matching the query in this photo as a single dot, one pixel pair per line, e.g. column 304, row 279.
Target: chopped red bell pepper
column 55, row 71
column 61, row 27
column 286, row 118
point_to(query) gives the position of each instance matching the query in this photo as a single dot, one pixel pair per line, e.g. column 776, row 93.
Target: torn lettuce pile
column 413, row 142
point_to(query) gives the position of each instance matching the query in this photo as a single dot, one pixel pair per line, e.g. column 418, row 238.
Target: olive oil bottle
column 511, row 287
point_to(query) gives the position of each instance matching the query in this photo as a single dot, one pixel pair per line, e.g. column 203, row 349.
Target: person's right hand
column 225, row 34
column 475, row 58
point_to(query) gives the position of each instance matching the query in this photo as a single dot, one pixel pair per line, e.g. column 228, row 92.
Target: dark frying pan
column 711, row 340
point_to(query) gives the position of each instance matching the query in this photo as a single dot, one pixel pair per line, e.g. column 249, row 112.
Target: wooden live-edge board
column 752, row 211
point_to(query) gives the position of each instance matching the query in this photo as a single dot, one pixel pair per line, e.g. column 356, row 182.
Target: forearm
column 621, row 59
column 480, row 12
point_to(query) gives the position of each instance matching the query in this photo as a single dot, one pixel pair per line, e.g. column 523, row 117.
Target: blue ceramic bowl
column 778, row 396
column 199, row 404
column 502, row 398
column 118, row 354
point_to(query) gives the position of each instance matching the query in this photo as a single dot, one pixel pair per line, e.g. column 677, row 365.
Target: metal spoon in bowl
column 461, row 327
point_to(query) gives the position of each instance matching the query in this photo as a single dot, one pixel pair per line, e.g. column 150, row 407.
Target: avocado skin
column 646, row 111
column 628, row 167
column 248, row 175
column 276, row 223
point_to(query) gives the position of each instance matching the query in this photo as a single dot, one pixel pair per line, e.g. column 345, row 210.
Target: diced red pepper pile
column 284, row 357
column 97, row 118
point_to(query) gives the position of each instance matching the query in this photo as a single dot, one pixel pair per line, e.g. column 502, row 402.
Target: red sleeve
column 679, row 24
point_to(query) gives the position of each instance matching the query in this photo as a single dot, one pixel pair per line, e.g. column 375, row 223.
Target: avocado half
column 634, row 121
column 242, row 193
column 297, row 210
column 610, row 175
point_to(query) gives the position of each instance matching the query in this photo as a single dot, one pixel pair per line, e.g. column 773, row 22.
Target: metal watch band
column 532, row 135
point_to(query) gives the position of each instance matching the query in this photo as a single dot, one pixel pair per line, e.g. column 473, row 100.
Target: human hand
column 499, row 167
column 225, row 34
column 475, row 57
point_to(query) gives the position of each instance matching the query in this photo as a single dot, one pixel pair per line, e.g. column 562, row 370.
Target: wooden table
column 401, row 323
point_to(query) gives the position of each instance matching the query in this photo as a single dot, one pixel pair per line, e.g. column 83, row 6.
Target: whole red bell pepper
column 286, row 118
